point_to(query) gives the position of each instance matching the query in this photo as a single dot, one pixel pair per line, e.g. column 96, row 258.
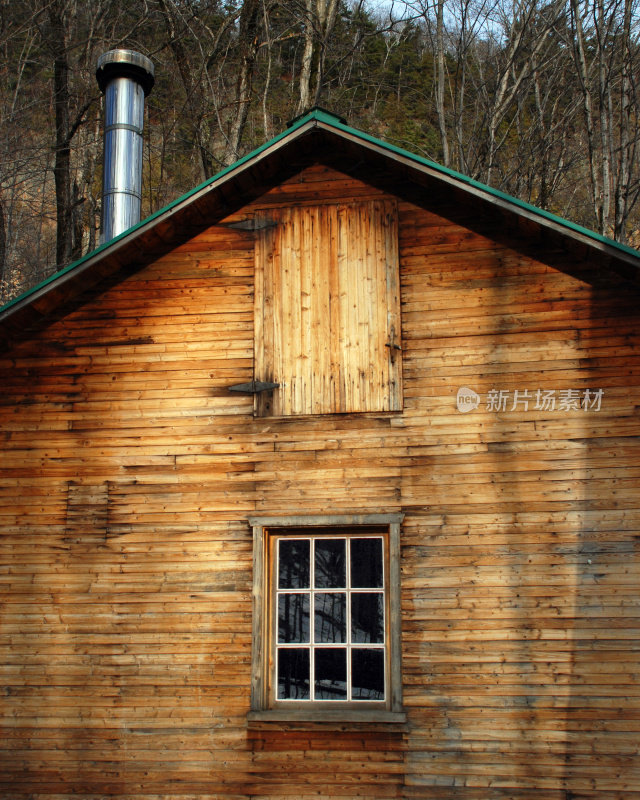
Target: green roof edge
column 151, row 217
column 328, row 118
column 574, row 226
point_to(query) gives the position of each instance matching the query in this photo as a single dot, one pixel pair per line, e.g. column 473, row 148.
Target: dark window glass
column 330, row 617
column 331, row 639
column 293, row 564
column 331, row 673
column 330, row 564
column 367, row 617
column 293, row 673
column 293, row 618
column 366, row 563
column 367, row 674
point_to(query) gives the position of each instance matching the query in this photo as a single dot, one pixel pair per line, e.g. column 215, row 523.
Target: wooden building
column 323, row 482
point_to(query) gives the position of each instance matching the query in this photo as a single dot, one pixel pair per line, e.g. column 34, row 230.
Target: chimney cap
column 124, row 63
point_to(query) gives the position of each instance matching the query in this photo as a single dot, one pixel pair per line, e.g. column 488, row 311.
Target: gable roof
column 318, row 136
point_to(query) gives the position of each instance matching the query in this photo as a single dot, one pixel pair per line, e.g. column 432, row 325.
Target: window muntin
column 330, row 608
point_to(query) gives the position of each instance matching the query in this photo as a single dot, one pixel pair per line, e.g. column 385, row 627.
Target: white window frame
column 264, row 706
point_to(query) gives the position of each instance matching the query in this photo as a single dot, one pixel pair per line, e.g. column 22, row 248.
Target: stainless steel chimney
column 126, row 78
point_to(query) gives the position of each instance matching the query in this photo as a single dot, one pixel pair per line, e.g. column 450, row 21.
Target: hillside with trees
column 537, row 99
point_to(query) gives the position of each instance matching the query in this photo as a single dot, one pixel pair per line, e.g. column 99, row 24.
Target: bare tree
column 319, row 17
column 248, row 44
column 537, row 97
column 196, row 40
column 605, row 47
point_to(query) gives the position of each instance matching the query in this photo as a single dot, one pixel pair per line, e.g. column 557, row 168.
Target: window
column 327, row 309
column 326, row 618
column 330, row 633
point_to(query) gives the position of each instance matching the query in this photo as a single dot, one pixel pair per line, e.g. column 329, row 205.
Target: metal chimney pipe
column 126, row 78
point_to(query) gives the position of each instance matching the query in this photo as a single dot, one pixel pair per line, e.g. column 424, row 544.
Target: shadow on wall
column 603, row 708
column 558, row 683
column 506, row 555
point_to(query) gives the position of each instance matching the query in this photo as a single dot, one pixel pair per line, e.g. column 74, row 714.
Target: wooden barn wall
column 128, row 472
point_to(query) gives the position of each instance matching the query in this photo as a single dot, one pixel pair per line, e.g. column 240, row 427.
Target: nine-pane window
column 330, row 613
column 326, row 643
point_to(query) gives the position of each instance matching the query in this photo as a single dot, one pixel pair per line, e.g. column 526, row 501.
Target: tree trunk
column 627, row 141
column 195, row 101
column 62, row 162
column 320, row 19
column 440, row 83
column 3, row 248
column 307, row 61
column 248, row 44
column 580, row 59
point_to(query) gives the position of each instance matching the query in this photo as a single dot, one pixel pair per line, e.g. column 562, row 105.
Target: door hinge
column 255, row 387
column 392, row 344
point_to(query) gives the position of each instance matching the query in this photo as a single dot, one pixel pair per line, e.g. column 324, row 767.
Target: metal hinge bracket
column 255, row 387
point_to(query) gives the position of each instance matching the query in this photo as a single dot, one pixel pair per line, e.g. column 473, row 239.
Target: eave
column 317, row 137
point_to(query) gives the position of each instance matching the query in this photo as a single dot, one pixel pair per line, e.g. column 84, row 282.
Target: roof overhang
column 316, row 137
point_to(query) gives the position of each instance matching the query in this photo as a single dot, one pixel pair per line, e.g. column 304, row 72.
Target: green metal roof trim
column 334, row 121
column 330, row 119
column 161, row 212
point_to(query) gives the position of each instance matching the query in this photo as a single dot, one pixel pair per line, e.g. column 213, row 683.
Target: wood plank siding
column 128, row 474
column 328, row 308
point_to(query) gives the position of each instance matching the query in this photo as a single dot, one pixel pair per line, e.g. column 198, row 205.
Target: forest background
column 538, row 99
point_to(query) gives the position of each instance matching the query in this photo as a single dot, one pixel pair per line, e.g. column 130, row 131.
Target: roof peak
column 318, row 120
column 317, row 112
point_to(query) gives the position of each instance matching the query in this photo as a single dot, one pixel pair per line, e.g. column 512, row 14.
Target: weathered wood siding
column 128, row 472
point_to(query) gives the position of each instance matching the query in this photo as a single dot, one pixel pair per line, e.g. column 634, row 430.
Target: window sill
column 333, row 719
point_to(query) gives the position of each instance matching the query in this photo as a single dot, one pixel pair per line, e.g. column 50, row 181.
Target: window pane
column 293, row 563
column 367, row 674
column 330, row 564
column 330, row 617
column 366, row 563
column 293, row 617
column 367, row 617
column 331, row 673
column 293, row 673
